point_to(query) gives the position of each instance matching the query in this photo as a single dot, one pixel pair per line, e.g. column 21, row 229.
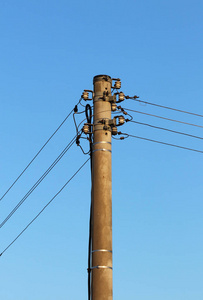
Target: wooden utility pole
column 101, row 270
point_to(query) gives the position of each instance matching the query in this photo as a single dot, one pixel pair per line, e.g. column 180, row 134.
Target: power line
column 170, row 130
column 162, row 106
column 160, row 117
column 159, row 142
column 43, row 209
column 38, row 181
column 38, row 153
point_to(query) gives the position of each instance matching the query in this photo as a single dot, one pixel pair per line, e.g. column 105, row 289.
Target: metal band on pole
column 101, row 267
column 103, row 149
column 102, row 250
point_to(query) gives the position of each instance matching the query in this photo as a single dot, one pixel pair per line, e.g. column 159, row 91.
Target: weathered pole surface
column 101, row 270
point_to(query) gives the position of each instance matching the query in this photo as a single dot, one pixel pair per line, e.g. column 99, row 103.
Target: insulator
column 85, row 129
column 114, row 130
column 113, row 106
column 85, row 96
column 121, row 96
column 117, row 84
column 121, row 120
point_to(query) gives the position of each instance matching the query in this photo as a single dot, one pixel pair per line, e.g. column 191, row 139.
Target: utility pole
column 102, row 192
column 100, row 265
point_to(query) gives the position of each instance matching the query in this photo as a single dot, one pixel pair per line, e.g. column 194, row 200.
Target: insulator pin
column 85, row 96
column 121, row 120
column 117, row 84
column 114, row 130
column 121, row 96
column 85, row 129
column 113, row 106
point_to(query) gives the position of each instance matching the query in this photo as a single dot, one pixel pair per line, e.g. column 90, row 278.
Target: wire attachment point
column 133, row 97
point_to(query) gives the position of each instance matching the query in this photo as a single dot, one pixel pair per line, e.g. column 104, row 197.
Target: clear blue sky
column 49, row 52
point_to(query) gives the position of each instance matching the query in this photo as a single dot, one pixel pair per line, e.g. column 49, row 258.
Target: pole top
column 101, row 78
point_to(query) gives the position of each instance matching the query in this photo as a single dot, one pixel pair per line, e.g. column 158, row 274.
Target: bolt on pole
column 102, row 268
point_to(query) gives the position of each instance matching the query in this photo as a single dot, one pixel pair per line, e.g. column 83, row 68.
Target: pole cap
column 101, row 78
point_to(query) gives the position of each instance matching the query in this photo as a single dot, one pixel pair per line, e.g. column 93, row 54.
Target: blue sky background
column 49, row 52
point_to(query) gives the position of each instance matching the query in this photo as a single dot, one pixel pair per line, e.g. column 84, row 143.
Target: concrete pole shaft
column 102, row 195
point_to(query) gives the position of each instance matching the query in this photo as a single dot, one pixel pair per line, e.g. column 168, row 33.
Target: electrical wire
column 159, row 142
column 88, row 113
column 170, row 130
column 160, row 117
column 76, row 113
column 49, row 139
column 43, row 208
column 162, row 106
column 38, row 182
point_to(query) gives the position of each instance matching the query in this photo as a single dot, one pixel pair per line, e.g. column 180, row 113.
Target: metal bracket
column 111, row 99
column 108, row 122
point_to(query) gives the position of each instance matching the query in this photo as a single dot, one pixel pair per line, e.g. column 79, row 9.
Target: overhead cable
column 170, row 130
column 160, row 117
column 159, row 142
column 43, row 209
column 49, row 139
column 162, row 106
column 38, row 181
